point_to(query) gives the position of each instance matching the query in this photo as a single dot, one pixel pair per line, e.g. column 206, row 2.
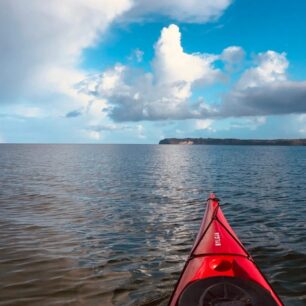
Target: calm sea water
column 113, row 224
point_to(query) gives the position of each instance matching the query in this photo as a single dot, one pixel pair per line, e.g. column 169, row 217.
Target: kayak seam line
column 251, row 259
column 214, row 217
column 218, row 254
column 190, row 256
column 239, row 243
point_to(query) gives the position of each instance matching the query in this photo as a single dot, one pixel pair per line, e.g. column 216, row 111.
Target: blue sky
column 123, row 71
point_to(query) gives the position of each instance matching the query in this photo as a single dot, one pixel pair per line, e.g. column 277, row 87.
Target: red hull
column 218, row 252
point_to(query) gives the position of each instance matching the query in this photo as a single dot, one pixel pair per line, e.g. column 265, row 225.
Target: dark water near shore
column 113, row 224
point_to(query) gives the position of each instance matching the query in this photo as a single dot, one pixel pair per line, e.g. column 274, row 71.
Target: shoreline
column 233, row 141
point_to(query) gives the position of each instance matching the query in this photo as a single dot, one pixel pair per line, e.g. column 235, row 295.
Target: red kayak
column 219, row 270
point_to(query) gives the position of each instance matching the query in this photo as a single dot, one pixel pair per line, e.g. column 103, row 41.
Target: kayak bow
column 219, row 271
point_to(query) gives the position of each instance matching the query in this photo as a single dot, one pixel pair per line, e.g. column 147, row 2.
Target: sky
column 138, row 71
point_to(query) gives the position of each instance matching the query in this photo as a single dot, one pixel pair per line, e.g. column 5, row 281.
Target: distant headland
column 233, row 141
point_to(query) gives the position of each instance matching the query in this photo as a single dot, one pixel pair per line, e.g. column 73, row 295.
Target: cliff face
column 230, row 141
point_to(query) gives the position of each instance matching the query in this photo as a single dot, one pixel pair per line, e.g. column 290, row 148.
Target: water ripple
column 113, row 224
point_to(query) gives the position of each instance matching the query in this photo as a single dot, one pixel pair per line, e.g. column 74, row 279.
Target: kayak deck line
column 220, row 254
column 219, row 270
column 215, row 218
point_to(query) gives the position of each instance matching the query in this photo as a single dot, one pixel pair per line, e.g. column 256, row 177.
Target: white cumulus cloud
column 172, row 65
column 271, row 68
column 265, row 90
column 232, row 56
column 164, row 93
column 167, row 91
column 203, row 124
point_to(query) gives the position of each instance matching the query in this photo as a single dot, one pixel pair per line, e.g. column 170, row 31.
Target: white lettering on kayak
column 217, row 238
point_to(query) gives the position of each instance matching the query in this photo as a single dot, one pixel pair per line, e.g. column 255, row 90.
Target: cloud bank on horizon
column 43, row 82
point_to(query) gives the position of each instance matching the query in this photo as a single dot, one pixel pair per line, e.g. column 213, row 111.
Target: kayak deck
column 219, row 271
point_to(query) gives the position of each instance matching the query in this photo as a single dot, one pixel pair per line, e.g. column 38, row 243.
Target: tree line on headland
column 232, row 141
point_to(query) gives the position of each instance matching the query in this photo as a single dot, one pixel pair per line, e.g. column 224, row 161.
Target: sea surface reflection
column 113, row 224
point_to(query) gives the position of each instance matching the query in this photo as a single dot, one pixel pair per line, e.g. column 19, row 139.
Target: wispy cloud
column 41, row 38
column 196, row 11
column 73, row 114
column 96, row 131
